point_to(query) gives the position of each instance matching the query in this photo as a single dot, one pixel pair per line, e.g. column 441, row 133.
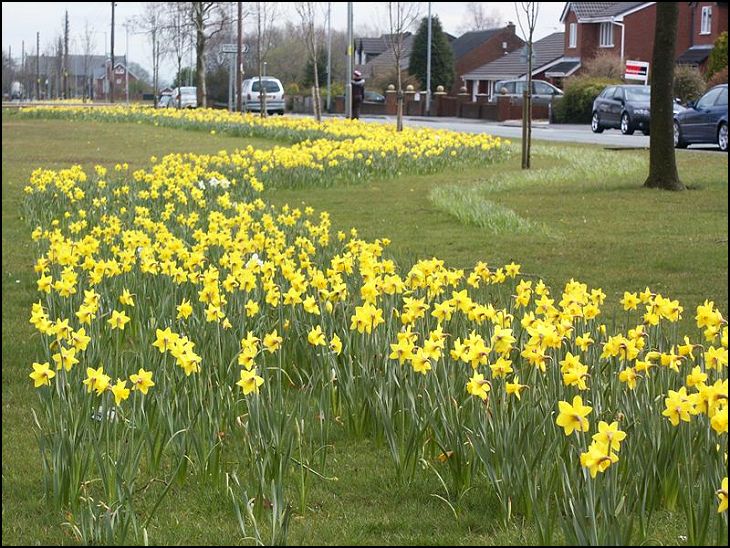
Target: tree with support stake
column 527, row 14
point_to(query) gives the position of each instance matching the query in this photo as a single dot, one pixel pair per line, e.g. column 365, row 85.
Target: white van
column 274, row 94
column 184, row 97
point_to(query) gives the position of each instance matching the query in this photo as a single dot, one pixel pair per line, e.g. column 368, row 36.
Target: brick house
column 548, row 54
column 101, row 82
column 626, row 29
column 368, row 48
column 476, row 48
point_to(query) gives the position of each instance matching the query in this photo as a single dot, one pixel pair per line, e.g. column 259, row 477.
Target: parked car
column 622, row 107
column 374, row 97
column 625, row 107
column 542, row 92
column 164, row 101
column 703, row 121
column 274, row 94
column 184, row 97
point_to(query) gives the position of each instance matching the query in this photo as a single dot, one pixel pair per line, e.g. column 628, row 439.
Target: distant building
column 548, row 53
column 101, row 82
column 476, row 48
column 85, row 75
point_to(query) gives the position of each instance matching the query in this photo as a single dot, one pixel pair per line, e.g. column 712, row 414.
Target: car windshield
column 640, row 94
column 270, row 86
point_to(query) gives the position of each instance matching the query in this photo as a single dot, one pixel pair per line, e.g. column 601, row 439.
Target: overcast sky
column 21, row 21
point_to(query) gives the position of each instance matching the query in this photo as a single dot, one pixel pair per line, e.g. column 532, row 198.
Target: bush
column 689, row 84
column 577, row 103
column 292, row 89
column 718, row 78
column 604, row 65
column 718, row 56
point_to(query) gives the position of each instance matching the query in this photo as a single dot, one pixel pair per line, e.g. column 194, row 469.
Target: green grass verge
column 613, row 234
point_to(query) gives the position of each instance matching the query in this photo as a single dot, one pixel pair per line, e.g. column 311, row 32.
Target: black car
column 374, row 97
column 622, row 107
column 704, row 121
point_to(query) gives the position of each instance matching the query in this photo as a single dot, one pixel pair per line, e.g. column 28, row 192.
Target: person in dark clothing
column 358, row 93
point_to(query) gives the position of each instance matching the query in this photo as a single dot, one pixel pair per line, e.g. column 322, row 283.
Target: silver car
column 542, row 92
column 274, row 94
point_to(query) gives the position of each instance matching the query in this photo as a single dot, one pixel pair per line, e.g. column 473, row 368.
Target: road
column 566, row 133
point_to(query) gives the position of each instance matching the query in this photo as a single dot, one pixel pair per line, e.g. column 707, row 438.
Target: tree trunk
column 662, row 161
column 316, row 95
column 200, row 54
column 399, row 108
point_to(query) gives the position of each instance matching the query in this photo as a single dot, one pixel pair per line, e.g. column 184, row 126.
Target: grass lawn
column 615, row 235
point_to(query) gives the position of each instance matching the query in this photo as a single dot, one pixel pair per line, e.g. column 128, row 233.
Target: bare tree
column 527, row 15
column 662, row 161
column 88, row 45
column 401, row 17
column 308, row 13
column 209, row 18
column 151, row 22
column 266, row 13
column 176, row 30
column 476, row 17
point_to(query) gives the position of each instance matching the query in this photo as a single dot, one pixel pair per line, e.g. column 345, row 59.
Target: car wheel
column 678, row 141
column 722, row 137
column 626, row 127
column 596, row 124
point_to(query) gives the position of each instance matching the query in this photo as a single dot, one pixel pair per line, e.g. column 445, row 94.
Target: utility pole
column 239, row 57
column 348, row 87
column 126, row 62
column 38, row 65
column 64, row 69
column 231, row 61
column 428, row 64
column 329, row 56
column 110, row 74
column 23, row 75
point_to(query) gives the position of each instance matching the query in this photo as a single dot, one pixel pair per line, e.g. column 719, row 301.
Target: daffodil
column 42, row 374
column 478, row 386
column 142, row 381
column 120, row 391
column 573, row 417
column 250, row 382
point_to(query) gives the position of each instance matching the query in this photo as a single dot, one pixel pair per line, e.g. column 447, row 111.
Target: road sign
column 637, row 70
column 233, row 48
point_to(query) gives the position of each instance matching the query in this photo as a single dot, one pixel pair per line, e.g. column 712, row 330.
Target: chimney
column 511, row 27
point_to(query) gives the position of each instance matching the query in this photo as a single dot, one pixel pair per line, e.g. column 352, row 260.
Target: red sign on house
column 637, row 70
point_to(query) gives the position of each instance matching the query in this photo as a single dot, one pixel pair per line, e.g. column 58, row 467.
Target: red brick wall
column 639, row 34
column 588, row 36
column 571, row 52
column 719, row 23
column 486, row 52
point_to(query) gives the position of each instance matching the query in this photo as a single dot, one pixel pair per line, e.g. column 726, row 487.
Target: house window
column 606, row 35
column 706, row 27
column 573, row 35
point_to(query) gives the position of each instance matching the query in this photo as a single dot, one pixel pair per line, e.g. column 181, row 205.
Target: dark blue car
column 704, row 120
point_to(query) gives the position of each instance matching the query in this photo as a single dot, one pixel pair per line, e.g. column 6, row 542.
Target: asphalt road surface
column 566, row 133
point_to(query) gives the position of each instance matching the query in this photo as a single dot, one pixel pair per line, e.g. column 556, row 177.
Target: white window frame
column 606, row 35
column 706, row 22
column 573, row 33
